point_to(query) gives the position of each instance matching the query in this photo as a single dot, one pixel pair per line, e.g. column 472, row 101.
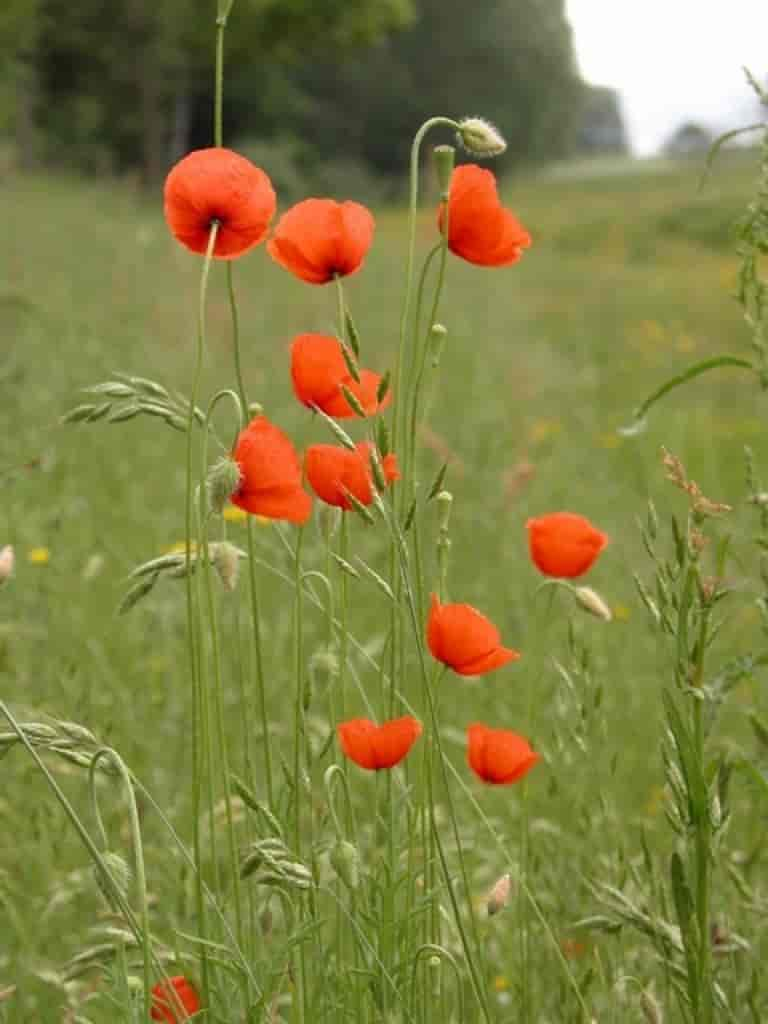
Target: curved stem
column 204, row 554
column 433, row 949
column 433, row 122
column 138, row 860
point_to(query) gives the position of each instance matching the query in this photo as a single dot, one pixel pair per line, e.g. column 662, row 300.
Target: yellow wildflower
column 39, row 556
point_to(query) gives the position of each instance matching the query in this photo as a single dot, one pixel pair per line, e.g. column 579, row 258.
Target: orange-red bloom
column 167, row 1005
column 480, row 229
column 564, row 544
column 498, row 756
column 318, row 370
column 378, row 746
column 216, row 184
column 320, row 238
column 464, row 640
column 270, row 474
column 335, row 472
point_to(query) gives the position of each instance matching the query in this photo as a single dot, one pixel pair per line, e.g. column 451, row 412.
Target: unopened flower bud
column 498, row 897
column 591, row 602
column 323, row 667
column 226, row 562
column 223, row 481
column 444, row 161
column 255, row 408
column 7, row 560
column 437, row 336
column 444, row 503
column 480, row 137
column 345, row 861
column 120, row 873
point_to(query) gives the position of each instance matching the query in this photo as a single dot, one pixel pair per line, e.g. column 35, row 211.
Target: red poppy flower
column 320, row 238
column 270, row 474
column 480, row 229
column 498, row 756
column 167, row 1005
column 216, row 184
column 464, row 640
column 318, row 370
column 378, row 746
column 333, row 471
column 563, row 544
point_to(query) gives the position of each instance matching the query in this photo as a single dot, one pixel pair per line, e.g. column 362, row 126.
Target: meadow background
column 630, row 278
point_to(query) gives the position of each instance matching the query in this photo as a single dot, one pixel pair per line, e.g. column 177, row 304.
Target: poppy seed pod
column 563, row 544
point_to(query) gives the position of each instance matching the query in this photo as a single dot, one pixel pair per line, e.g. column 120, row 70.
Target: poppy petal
column 563, row 544
column 356, row 738
column 394, row 739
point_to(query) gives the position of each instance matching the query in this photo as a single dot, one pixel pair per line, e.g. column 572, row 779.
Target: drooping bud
column 226, row 562
column 7, row 561
column 444, row 161
column 120, row 874
column 498, row 897
column 255, row 409
column 223, row 481
column 437, row 336
column 480, row 138
column 345, row 861
column 591, row 602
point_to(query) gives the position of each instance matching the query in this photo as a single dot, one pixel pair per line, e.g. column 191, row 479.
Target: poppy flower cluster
column 317, row 239
column 174, row 1001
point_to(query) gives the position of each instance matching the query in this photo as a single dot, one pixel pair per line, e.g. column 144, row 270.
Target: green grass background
column 629, row 280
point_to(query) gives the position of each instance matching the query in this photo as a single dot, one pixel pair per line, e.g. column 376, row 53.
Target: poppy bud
column 223, row 481
column 345, row 861
column 591, row 602
column 444, row 503
column 226, row 562
column 120, row 874
column 437, row 336
column 480, row 137
column 7, row 560
column 444, row 161
column 498, row 897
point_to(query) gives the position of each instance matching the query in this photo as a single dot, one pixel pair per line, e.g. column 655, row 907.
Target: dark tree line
column 126, row 85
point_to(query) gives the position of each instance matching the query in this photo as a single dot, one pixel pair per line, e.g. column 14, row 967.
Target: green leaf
column 696, row 370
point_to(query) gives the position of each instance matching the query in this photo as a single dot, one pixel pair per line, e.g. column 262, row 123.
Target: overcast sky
column 673, row 60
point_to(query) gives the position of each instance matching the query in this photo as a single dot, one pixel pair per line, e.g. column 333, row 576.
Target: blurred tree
column 601, row 126
column 688, row 139
column 120, row 82
column 510, row 61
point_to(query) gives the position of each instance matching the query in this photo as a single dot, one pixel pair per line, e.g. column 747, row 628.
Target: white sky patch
column 673, row 60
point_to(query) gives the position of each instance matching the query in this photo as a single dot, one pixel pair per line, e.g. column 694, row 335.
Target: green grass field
column 629, row 280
